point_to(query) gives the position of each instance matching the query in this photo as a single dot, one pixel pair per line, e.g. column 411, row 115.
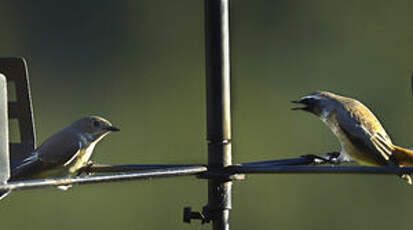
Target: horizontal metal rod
column 240, row 169
column 289, row 165
column 103, row 168
column 39, row 183
column 289, row 161
column 198, row 170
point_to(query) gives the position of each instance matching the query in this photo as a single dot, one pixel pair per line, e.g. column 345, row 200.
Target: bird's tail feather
column 404, row 157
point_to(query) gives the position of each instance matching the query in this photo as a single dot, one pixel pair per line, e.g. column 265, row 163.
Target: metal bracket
column 15, row 70
column 204, row 216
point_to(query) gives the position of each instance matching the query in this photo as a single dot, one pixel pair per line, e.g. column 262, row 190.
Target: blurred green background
column 141, row 65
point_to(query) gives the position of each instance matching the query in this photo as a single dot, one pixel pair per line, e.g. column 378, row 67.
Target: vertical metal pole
column 4, row 133
column 218, row 108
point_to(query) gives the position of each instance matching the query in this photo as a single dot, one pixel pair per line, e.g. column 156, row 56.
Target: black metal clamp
column 189, row 215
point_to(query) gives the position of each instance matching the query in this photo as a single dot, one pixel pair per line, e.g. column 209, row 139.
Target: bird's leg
column 316, row 159
column 334, row 158
column 89, row 165
column 86, row 169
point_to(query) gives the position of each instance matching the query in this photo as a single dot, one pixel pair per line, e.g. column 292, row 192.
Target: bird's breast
column 330, row 120
column 82, row 158
column 84, row 153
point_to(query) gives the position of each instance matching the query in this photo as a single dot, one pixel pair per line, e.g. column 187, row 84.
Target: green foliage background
column 141, row 65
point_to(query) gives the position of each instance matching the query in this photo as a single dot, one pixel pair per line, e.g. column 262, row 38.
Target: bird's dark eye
column 96, row 123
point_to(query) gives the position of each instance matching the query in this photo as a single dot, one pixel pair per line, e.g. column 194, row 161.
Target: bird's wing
column 60, row 148
column 366, row 132
column 56, row 151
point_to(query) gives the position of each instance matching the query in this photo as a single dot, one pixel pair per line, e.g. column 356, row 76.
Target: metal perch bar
column 202, row 170
column 105, row 168
column 39, row 183
column 319, row 169
column 289, row 161
column 303, row 160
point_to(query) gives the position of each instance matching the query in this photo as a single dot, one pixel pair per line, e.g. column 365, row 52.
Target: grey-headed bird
column 65, row 152
column 361, row 136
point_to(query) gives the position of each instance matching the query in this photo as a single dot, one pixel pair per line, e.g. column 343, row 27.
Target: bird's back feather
column 55, row 152
column 365, row 132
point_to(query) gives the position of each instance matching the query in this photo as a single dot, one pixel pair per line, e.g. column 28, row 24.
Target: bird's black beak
column 113, row 128
column 305, row 106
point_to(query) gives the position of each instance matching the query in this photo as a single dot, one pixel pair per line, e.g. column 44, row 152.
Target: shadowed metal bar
column 40, row 183
column 106, row 168
column 103, row 168
column 318, row 169
column 288, row 161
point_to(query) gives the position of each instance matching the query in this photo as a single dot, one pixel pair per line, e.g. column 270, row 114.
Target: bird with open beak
column 65, row 152
column 361, row 136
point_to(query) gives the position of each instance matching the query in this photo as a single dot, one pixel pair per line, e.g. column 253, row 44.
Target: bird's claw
column 316, row 159
column 89, row 165
column 334, row 158
column 86, row 169
column 329, row 158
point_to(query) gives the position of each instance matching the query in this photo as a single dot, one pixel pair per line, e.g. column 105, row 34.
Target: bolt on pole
column 218, row 109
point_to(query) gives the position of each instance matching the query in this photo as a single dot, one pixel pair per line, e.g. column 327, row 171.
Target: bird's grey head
column 93, row 127
column 319, row 103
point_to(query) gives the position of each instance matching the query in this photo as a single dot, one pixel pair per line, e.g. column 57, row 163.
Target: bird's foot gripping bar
column 329, row 158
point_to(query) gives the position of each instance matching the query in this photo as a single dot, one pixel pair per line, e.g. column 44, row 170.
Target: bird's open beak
column 112, row 128
column 304, row 107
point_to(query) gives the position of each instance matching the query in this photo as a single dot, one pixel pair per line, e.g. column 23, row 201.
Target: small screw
column 189, row 215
